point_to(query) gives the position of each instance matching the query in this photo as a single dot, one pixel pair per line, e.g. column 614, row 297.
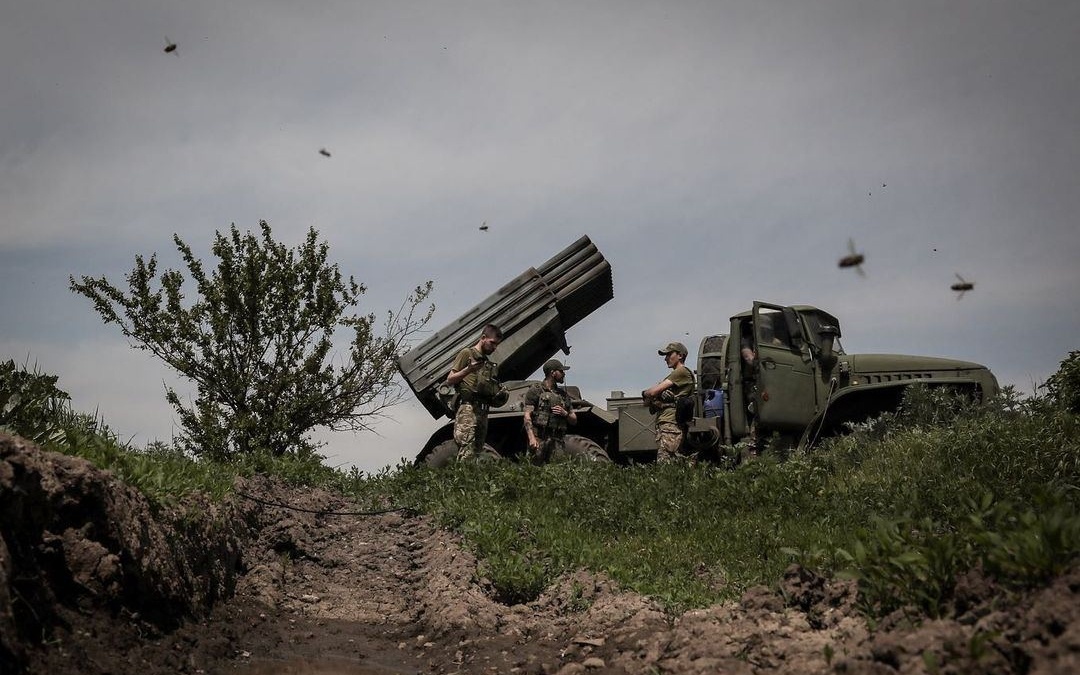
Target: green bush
column 907, row 563
column 255, row 336
column 33, row 407
column 30, row 403
column 1064, row 385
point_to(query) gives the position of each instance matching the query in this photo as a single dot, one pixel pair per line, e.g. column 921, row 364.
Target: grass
column 903, row 504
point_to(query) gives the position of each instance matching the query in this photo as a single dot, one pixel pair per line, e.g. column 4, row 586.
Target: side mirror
column 828, row 336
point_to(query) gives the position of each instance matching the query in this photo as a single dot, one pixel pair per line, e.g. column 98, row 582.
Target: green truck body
column 800, row 386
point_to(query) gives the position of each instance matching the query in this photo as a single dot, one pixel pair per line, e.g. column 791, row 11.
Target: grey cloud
column 717, row 153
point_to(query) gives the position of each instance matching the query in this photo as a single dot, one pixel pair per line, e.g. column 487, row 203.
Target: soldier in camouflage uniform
column 475, row 377
column 548, row 413
column 661, row 399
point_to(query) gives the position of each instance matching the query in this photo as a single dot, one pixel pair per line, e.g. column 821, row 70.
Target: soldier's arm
column 657, row 389
column 531, row 400
column 459, row 371
column 530, row 430
column 571, row 416
column 565, row 410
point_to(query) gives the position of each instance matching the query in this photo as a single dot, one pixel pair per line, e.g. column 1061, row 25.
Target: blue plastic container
column 714, row 403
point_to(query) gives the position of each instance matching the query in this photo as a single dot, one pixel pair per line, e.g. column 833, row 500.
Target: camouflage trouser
column 754, row 443
column 550, row 448
column 669, row 438
column 470, row 430
column 753, row 440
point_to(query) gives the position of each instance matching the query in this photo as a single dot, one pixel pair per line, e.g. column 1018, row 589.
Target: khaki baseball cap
column 554, row 364
column 677, row 347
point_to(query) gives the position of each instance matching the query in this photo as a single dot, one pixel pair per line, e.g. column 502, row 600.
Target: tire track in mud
column 395, row 594
column 407, row 595
column 118, row 587
column 333, row 593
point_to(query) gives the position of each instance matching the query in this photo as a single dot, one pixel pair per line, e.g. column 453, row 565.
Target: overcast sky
column 716, row 152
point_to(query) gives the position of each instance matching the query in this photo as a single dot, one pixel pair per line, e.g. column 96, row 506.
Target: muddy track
column 92, row 580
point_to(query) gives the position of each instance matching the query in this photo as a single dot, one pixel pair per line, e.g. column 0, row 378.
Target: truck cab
column 783, row 369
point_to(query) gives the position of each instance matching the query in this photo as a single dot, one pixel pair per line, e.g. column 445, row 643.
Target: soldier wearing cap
column 475, row 378
column 661, row 398
column 548, row 413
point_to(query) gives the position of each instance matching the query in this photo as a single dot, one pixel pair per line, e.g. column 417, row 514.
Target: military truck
column 783, row 370
column 534, row 311
column 780, row 372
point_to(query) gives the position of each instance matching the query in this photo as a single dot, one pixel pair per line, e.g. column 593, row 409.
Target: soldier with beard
column 548, row 412
column 476, row 380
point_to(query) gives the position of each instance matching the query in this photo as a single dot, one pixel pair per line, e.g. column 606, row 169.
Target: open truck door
column 785, row 393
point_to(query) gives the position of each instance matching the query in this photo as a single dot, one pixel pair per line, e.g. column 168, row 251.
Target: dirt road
column 93, row 581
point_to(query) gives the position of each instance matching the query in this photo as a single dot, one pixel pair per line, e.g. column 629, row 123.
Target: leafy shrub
column 1064, row 385
column 257, row 342
column 33, row 407
column 922, row 405
column 904, row 562
column 31, row 403
column 1030, row 545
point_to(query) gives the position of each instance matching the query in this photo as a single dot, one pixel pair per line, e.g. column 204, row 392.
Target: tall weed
column 31, row 403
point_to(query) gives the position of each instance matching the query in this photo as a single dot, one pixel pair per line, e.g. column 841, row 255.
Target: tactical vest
column 548, row 424
column 666, row 407
column 487, row 382
column 482, row 386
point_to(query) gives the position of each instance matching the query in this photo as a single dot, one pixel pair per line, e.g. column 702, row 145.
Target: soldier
column 749, row 383
column 475, row 377
column 661, row 399
column 746, row 347
column 548, row 413
column 766, row 336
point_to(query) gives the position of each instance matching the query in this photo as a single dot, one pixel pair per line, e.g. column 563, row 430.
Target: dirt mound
column 279, row 580
column 76, row 541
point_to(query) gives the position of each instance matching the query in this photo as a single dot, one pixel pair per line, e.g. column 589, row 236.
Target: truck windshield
column 772, row 330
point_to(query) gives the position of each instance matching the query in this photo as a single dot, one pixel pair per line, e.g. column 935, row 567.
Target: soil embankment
column 93, row 580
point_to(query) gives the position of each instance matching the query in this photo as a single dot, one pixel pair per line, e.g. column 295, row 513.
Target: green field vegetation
column 903, row 504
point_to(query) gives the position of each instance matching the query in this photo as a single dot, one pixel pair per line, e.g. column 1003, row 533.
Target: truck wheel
column 446, row 452
column 441, row 455
column 579, row 447
column 489, row 454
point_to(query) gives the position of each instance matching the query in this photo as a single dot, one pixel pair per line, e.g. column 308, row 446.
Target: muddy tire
column 489, row 454
column 579, row 447
column 441, row 455
column 446, row 452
